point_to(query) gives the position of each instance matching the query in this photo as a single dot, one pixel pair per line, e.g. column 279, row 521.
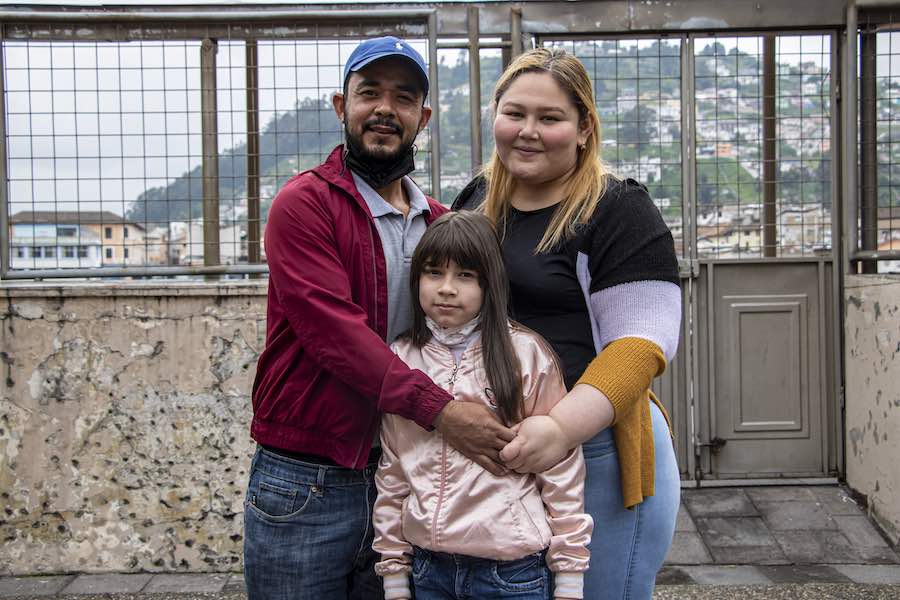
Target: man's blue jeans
column 308, row 531
column 438, row 576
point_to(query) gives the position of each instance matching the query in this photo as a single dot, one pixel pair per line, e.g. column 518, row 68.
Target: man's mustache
column 383, row 123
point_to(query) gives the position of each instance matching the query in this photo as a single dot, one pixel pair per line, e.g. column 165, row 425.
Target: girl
column 592, row 268
column 461, row 531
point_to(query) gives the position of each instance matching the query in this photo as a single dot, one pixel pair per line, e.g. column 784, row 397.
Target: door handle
column 714, row 445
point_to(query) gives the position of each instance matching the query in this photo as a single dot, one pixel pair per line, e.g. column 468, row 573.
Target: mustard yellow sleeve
column 623, row 370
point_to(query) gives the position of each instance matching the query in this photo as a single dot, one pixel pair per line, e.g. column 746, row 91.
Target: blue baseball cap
column 382, row 47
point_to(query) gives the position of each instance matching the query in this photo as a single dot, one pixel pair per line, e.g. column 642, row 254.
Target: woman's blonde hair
column 587, row 182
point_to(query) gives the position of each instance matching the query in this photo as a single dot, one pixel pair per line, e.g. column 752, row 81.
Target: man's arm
column 313, row 289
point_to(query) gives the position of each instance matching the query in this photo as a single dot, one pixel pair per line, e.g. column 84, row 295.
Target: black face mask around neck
column 377, row 172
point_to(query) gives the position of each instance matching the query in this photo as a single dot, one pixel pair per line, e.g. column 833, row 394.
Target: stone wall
column 872, row 393
column 124, row 419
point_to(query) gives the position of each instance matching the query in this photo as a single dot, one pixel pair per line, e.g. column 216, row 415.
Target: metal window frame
column 204, row 26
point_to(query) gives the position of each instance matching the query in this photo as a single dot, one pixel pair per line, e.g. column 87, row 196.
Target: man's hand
column 539, row 444
column 475, row 431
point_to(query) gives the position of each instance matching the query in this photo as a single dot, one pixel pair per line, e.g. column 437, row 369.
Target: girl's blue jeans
column 308, row 531
column 439, row 576
column 629, row 545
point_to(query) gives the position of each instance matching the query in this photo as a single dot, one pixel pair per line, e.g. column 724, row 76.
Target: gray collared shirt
column 399, row 237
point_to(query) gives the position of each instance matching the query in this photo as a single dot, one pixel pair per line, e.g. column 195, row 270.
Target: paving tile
column 33, row 586
column 884, row 556
column 739, row 531
column 111, row 583
column 804, row 574
column 873, row 574
column 781, row 494
column 748, row 555
column 235, row 583
column 860, row 531
column 684, row 522
column 673, row 576
column 727, row 575
column 837, row 501
column 817, row 546
column 196, row 583
column 742, row 540
column 688, row 549
column 718, row 502
column 806, row 516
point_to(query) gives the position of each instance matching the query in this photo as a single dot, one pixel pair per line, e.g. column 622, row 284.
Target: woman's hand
column 539, row 444
column 474, row 430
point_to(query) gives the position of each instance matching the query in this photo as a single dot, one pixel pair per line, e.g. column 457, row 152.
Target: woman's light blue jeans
column 629, row 545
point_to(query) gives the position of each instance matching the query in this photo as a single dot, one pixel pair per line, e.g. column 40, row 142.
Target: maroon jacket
column 326, row 372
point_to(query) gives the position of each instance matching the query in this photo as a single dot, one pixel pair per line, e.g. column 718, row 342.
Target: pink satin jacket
column 433, row 497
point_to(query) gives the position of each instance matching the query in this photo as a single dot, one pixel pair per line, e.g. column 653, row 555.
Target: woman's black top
column 625, row 241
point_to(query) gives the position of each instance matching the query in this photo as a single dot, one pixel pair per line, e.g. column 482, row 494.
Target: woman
column 592, row 268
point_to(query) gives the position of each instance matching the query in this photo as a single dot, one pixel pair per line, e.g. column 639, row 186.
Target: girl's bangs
column 451, row 243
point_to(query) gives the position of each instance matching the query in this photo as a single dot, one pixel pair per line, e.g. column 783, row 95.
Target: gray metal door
column 764, row 389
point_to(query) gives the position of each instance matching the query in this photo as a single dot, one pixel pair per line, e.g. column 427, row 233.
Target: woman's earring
column 582, row 145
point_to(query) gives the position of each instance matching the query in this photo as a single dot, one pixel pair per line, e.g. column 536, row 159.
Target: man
column 338, row 242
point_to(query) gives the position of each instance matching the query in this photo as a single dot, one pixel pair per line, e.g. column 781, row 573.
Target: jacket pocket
column 528, row 518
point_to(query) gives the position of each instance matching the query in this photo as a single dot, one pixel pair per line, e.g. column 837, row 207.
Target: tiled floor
column 724, row 536
column 775, row 526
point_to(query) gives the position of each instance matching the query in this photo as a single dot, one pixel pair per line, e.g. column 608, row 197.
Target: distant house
column 45, row 246
column 70, row 239
column 186, row 244
column 156, row 246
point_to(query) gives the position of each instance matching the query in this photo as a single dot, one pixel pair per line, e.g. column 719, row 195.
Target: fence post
column 435, row 96
column 253, row 214
column 5, row 232
column 474, row 88
column 868, row 157
column 770, row 151
column 210, row 137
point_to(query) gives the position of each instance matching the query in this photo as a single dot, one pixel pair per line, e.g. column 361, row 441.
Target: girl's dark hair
column 470, row 240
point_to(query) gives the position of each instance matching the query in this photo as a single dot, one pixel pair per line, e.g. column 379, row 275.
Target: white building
column 46, row 246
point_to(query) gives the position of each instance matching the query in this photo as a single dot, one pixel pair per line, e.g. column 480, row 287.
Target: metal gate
column 735, row 131
column 734, row 137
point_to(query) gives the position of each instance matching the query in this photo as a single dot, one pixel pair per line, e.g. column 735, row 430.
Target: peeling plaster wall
column 872, row 392
column 124, row 425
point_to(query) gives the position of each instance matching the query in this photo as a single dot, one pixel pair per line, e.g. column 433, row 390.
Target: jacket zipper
column 440, row 500
column 375, row 286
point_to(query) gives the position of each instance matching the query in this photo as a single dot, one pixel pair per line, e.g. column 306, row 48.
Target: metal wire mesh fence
column 105, row 135
column 104, row 144
column 879, row 218
column 734, row 125
column 637, row 88
column 91, row 127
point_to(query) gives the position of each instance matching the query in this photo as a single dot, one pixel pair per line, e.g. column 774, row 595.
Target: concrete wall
column 125, row 409
column 124, row 418
column 872, row 355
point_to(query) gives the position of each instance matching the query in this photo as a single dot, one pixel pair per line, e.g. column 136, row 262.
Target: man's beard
column 378, row 169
